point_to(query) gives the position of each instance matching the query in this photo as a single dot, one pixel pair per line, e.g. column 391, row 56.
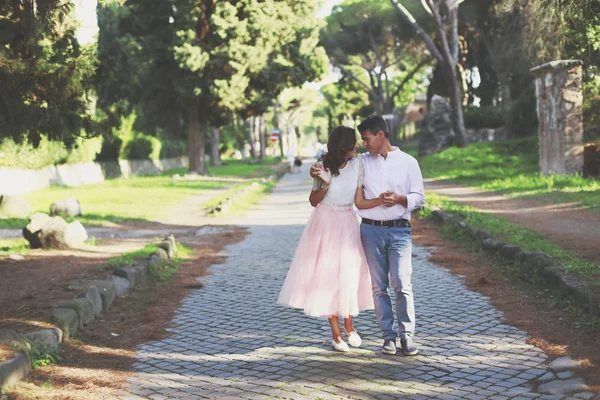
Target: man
column 385, row 230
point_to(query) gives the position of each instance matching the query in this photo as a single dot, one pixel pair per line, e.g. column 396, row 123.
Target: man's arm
column 415, row 197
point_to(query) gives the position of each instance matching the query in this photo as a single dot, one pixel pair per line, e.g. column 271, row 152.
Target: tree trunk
column 276, row 121
column 196, row 139
column 215, row 155
column 458, row 122
column 251, row 137
column 262, row 137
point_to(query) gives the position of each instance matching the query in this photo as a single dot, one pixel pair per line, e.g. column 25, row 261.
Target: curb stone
column 559, row 379
column 532, row 264
column 226, row 203
column 94, row 297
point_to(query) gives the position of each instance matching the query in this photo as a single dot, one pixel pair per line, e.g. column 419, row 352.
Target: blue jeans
column 389, row 255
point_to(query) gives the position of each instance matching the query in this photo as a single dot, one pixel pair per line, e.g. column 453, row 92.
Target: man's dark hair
column 374, row 123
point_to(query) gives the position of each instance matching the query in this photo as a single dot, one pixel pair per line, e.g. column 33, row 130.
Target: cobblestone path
column 230, row 339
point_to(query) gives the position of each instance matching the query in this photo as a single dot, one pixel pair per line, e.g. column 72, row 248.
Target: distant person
column 290, row 159
column 329, row 276
column 297, row 164
column 385, row 231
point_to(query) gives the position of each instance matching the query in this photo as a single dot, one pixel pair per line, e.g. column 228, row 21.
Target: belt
column 393, row 223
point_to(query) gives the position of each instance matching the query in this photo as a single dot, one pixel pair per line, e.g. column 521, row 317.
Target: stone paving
column 231, row 341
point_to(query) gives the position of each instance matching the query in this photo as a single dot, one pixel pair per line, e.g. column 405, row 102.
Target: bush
column 140, row 148
column 111, row 149
column 521, row 118
column 591, row 110
column 24, row 155
column 84, row 150
column 485, row 117
column 172, row 149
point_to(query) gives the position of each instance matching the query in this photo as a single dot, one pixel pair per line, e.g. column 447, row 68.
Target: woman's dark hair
column 341, row 140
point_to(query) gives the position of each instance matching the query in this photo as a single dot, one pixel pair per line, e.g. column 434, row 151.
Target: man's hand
column 315, row 170
column 391, row 198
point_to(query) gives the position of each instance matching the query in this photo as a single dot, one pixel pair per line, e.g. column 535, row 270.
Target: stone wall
column 559, row 98
column 17, row 181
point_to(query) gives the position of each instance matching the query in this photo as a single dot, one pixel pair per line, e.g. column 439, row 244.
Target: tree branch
column 453, row 14
column 351, row 75
column 410, row 20
column 409, row 77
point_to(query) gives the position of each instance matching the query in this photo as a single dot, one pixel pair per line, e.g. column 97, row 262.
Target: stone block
column 563, row 364
column 67, row 207
column 508, row 251
column 67, row 319
column 75, row 234
column 167, row 248
column 14, row 339
column 562, row 387
column 105, row 288
column 122, row 285
column 129, row 273
column 93, row 295
column 84, row 309
column 48, row 337
column 14, row 207
column 162, row 255
column 14, row 370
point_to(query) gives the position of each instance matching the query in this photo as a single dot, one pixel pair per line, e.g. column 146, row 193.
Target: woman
column 329, row 276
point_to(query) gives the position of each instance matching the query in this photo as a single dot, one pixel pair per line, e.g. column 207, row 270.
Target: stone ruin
column 558, row 87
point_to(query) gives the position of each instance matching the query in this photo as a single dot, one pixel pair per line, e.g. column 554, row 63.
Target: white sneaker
column 341, row 346
column 354, row 339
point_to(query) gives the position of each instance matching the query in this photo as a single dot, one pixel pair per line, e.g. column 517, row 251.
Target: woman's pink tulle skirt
column 329, row 274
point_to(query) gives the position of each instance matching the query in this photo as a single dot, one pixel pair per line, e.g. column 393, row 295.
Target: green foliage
column 45, row 75
column 591, row 108
column 517, row 235
column 366, row 41
column 484, row 117
column 119, row 200
column 42, row 356
column 521, row 118
column 139, row 148
column 111, row 149
column 172, row 148
column 242, row 168
column 12, row 246
column 84, row 150
column 510, row 167
column 130, row 258
column 25, row 155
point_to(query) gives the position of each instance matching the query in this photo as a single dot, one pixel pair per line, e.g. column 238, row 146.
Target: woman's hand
column 325, row 175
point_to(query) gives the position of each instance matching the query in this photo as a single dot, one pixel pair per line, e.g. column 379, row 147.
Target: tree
column 445, row 16
column 45, row 75
column 363, row 41
column 204, row 61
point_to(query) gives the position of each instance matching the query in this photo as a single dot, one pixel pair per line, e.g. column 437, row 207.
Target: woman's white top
column 342, row 188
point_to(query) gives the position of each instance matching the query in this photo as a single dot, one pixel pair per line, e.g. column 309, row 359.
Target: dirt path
column 565, row 224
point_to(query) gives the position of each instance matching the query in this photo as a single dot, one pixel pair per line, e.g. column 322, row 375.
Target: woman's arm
column 361, row 203
column 317, row 193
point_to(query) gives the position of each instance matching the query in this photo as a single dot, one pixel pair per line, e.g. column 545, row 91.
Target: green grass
column 161, row 273
column 13, row 246
column 238, row 168
column 119, row 200
column 240, row 203
column 138, row 198
column 512, row 168
column 510, row 233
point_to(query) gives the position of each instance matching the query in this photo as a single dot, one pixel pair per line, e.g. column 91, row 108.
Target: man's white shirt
column 398, row 172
